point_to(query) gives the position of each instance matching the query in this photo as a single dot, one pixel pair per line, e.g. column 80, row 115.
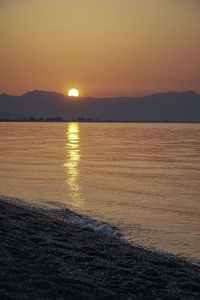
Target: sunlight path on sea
column 72, row 164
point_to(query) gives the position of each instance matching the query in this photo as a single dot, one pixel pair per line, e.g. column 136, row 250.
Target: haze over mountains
column 173, row 106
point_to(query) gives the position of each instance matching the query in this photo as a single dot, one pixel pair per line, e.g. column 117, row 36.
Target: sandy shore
column 45, row 258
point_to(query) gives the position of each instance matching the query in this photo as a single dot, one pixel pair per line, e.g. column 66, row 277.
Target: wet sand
column 45, row 258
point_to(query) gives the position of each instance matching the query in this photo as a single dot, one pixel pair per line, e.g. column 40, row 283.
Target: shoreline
column 44, row 257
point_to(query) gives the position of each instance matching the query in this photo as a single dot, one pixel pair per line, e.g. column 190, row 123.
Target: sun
column 73, row 93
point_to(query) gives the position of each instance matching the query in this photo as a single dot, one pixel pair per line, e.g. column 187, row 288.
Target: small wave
column 91, row 224
column 65, row 213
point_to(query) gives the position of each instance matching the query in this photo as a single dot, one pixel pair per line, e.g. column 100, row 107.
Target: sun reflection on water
column 72, row 164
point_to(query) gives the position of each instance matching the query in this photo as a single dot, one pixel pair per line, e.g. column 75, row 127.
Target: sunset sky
column 103, row 48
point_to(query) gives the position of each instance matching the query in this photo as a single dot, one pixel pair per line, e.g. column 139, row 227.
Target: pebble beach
column 42, row 257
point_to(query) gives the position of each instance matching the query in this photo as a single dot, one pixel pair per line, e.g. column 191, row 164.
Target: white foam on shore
column 91, row 224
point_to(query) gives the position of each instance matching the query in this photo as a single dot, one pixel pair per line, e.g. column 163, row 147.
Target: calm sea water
column 143, row 178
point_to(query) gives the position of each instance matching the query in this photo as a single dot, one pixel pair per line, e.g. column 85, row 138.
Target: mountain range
column 172, row 106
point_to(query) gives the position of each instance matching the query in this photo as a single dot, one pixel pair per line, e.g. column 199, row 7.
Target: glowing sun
column 73, row 93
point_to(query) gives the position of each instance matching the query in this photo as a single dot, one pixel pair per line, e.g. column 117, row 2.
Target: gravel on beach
column 42, row 257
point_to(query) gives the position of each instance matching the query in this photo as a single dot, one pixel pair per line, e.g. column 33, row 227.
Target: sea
column 138, row 181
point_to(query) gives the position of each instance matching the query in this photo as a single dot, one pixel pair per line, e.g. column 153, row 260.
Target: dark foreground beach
column 45, row 258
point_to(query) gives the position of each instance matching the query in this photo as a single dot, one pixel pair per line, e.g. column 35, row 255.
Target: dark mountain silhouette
column 179, row 107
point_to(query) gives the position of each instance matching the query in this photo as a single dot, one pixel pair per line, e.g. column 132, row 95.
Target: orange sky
column 103, row 48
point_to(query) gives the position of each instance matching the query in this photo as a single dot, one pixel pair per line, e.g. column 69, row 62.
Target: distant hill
column 179, row 107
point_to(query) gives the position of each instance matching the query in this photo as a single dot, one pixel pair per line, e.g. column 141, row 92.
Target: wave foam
column 91, row 224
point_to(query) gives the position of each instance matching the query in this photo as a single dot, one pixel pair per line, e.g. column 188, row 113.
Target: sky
column 103, row 48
